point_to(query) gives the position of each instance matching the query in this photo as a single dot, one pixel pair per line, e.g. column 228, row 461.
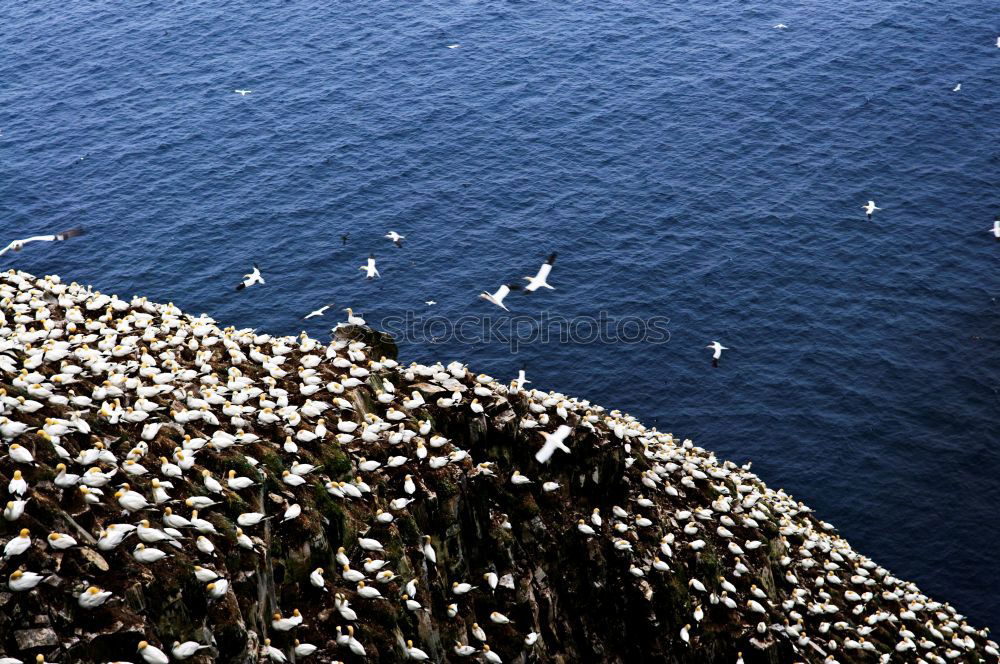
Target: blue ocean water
column 686, row 160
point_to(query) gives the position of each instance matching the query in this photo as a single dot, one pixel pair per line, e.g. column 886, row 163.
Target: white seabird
column 996, row 228
column 353, row 319
column 243, row 93
column 780, row 26
column 957, row 88
column 17, row 245
column 318, row 312
column 539, row 280
column 251, row 278
column 396, row 238
column 870, row 208
column 718, row 348
column 152, row 654
column 370, row 270
column 553, row 441
column 502, row 292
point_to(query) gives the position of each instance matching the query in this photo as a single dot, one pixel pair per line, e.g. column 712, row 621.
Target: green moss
column 272, row 462
column 384, row 614
column 394, row 551
column 223, row 525
column 335, row 462
column 525, row 507
column 235, row 504
column 408, row 528
column 709, row 562
column 332, row 513
column 503, row 537
column 446, row 488
column 242, row 467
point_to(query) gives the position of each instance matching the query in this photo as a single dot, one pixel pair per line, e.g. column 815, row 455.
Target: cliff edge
column 177, row 490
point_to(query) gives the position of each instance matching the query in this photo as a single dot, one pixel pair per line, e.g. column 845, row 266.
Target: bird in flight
column 553, row 441
column 343, row 238
column 502, row 292
column 396, row 238
column 539, row 280
column 430, row 303
column 251, row 279
column 996, row 228
column 243, row 93
column 453, row 45
column 780, row 26
column 318, row 312
column 518, row 383
column 718, row 348
column 17, row 245
column 869, row 209
column 370, row 270
column 957, row 88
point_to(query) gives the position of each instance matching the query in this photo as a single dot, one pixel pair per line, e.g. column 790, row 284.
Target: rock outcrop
column 625, row 545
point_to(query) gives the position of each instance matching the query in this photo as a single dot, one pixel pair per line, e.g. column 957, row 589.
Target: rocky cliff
column 179, row 490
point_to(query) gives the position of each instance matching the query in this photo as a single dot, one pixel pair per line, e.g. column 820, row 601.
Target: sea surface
column 685, row 159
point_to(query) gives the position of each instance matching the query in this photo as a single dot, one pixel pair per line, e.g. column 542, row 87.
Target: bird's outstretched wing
column 17, row 245
column 73, row 232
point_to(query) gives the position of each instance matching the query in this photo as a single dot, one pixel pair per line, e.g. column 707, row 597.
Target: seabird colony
column 142, row 442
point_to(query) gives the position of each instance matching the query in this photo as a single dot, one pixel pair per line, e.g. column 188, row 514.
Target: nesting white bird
column 93, row 597
column 187, row 649
column 152, row 654
column 353, row 319
column 17, row 545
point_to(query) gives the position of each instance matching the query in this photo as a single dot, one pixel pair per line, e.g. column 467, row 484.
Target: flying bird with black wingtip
column 502, row 292
column 370, row 270
column 539, row 280
column 717, row 349
column 17, row 245
column 251, row 278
